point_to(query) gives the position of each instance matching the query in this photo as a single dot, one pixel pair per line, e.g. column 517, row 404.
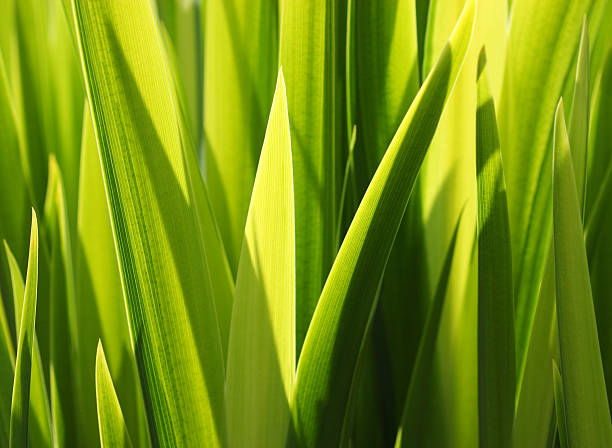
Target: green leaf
column 534, row 395
column 39, row 425
column 387, row 79
column 579, row 116
column 13, row 210
column 560, row 406
column 584, row 389
column 157, row 234
column 599, row 216
column 419, row 386
column 307, row 55
column 262, row 335
column 99, row 299
column 64, row 341
column 113, row 432
column 496, row 367
column 20, row 405
column 542, row 42
column 182, row 20
column 240, row 66
column 335, row 337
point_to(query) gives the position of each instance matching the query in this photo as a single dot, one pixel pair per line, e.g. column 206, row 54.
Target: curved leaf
column 333, row 344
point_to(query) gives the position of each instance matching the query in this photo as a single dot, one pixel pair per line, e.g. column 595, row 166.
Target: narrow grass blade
column 560, row 406
column 387, row 79
column 599, row 215
column 495, row 295
column 32, row 92
column 326, row 368
column 39, row 425
column 240, row 66
column 542, row 42
column 163, row 264
column 584, row 389
column 579, row 116
column 99, row 299
column 20, row 405
column 64, row 341
column 307, row 55
column 182, row 20
column 262, row 335
column 113, row 432
column 418, row 389
column 13, row 210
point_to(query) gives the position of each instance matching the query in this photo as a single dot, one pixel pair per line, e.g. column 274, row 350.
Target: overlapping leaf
column 148, row 183
column 335, row 337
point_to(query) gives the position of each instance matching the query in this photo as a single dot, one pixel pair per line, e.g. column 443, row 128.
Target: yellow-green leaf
column 496, row 364
column 163, row 264
column 20, row 405
column 261, row 357
column 584, row 389
column 113, row 432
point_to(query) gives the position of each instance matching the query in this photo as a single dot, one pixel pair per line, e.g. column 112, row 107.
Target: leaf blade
column 262, row 334
column 584, row 389
column 324, row 367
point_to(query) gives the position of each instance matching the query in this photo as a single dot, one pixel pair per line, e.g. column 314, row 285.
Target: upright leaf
column 99, row 299
column 113, row 432
column 307, row 56
column 387, row 79
column 7, row 373
column 163, row 265
column 39, row 425
column 332, row 347
column 496, row 368
column 262, row 334
column 584, row 388
column 241, row 61
column 542, row 42
column 20, row 405
column 419, row 385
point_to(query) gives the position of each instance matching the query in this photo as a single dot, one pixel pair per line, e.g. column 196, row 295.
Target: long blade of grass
column 418, row 388
column 240, row 66
column 262, row 335
column 156, row 229
column 113, row 431
column 584, row 388
column 496, row 363
column 529, row 95
column 599, row 215
column 326, row 367
column 20, row 404
column 307, row 55
column 39, row 425
column 579, row 116
column 534, row 396
column 99, row 299
column 13, row 210
column 64, row 342
column 387, row 79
